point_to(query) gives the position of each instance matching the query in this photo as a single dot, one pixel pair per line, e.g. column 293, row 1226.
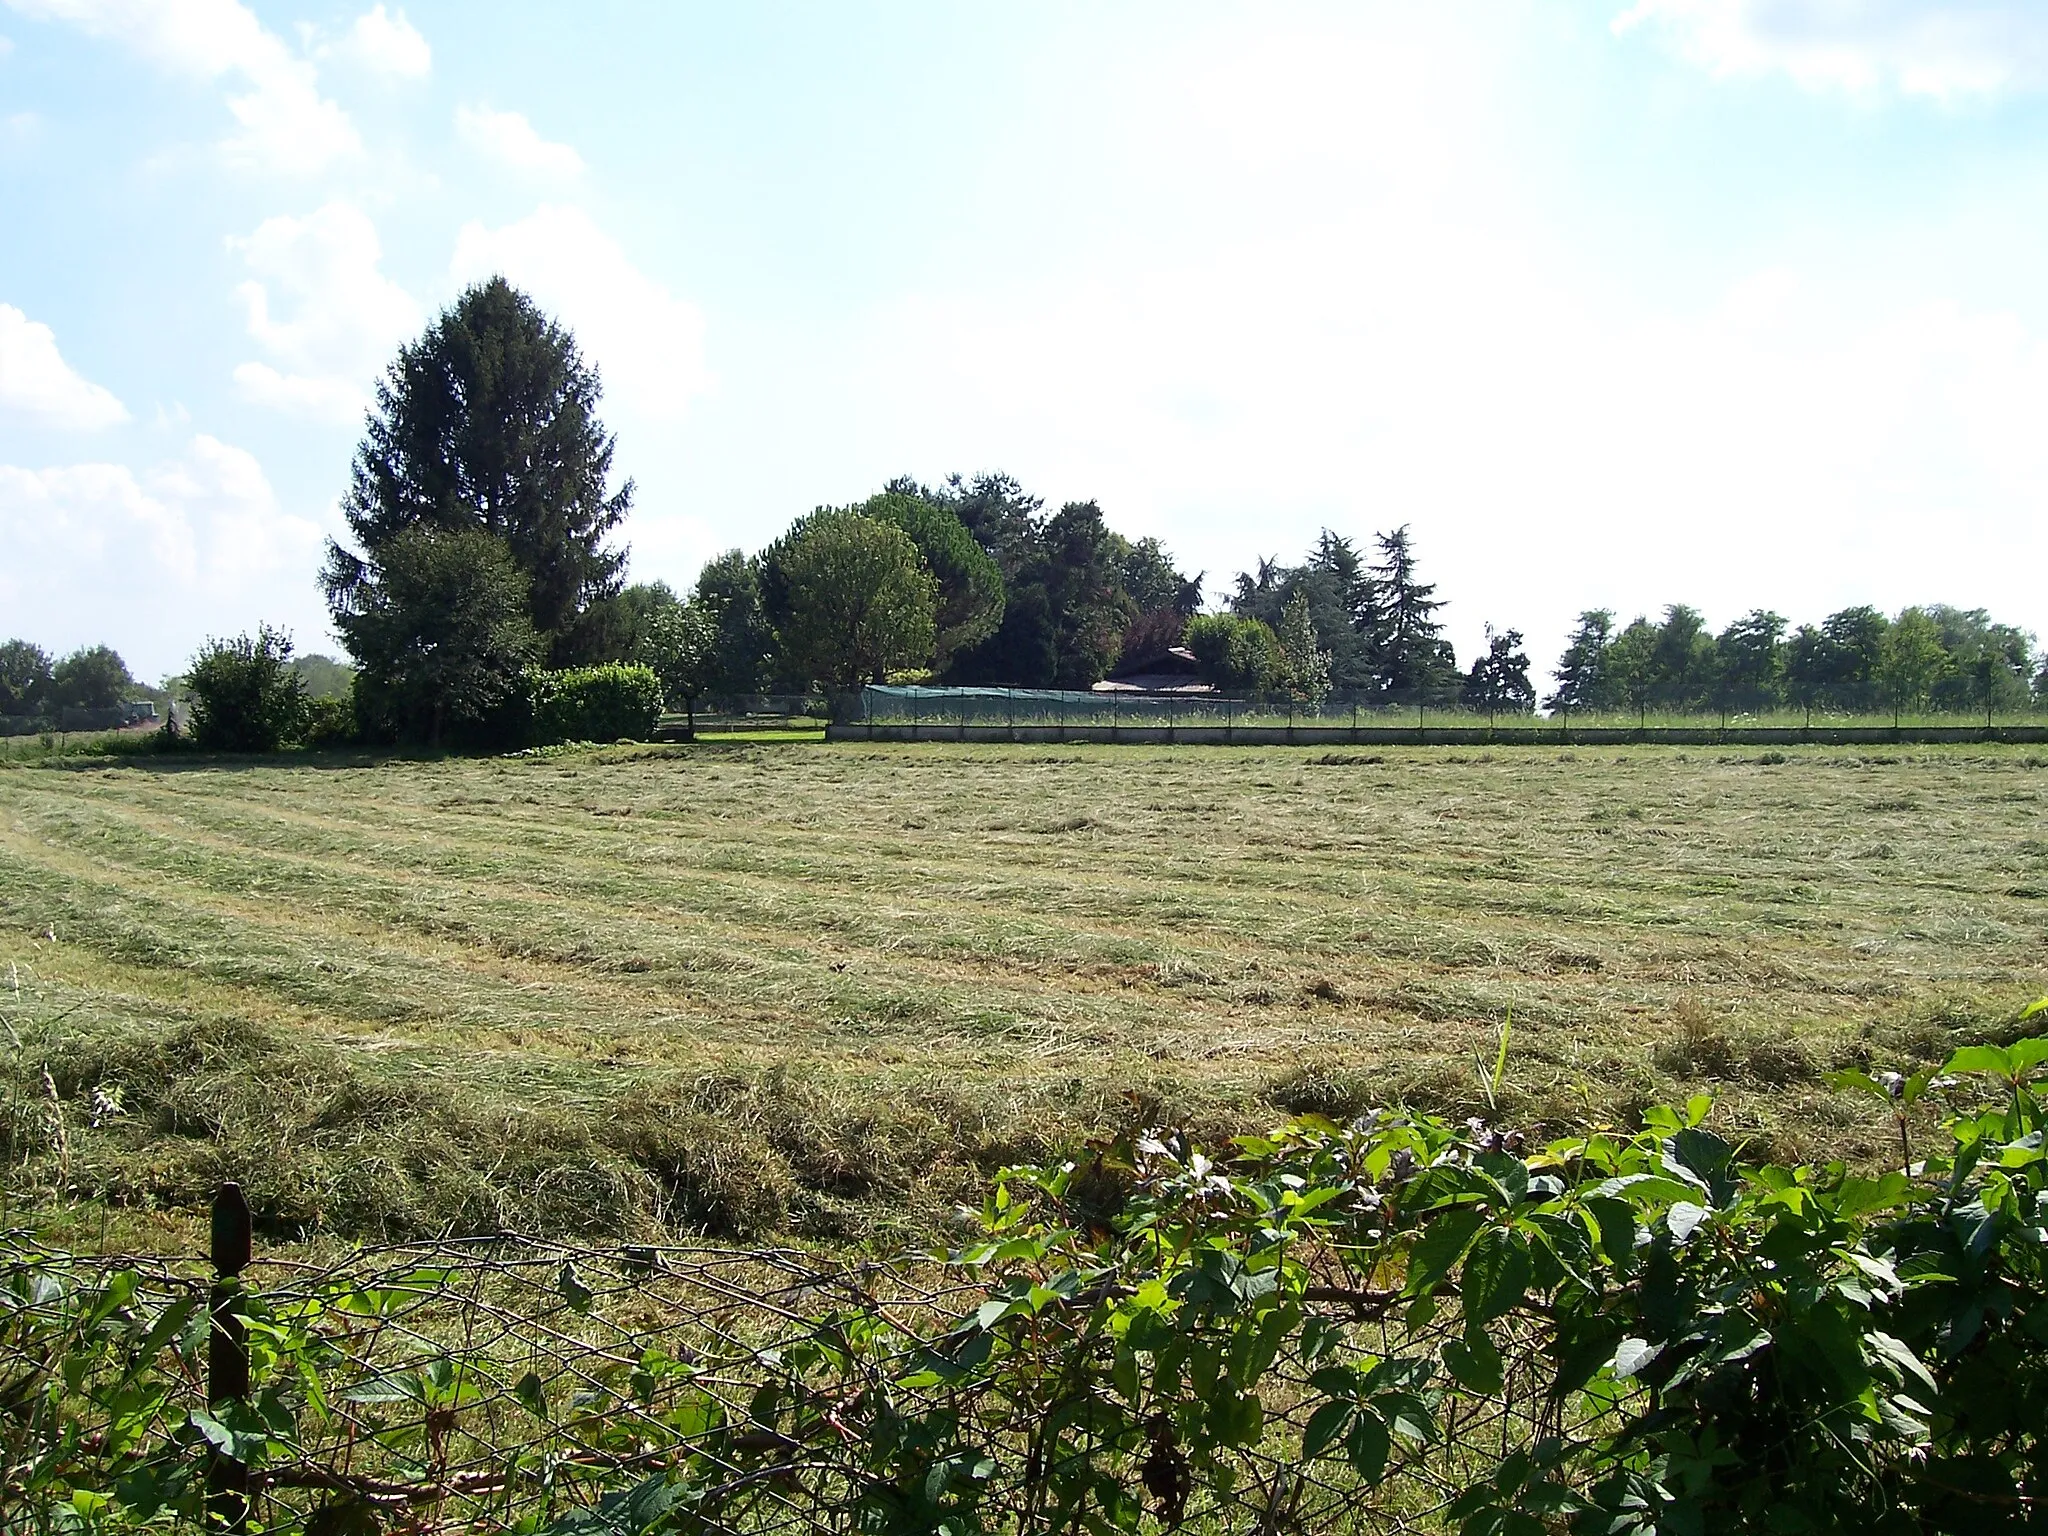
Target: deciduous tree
column 970, row 583
column 1632, row 667
column 92, row 677
column 856, row 598
column 1305, row 665
column 1911, row 660
column 1749, row 662
column 25, row 678
column 679, row 645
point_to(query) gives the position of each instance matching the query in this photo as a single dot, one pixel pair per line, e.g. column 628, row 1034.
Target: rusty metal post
column 227, row 1354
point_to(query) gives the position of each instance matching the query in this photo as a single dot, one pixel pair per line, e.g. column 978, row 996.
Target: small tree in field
column 680, row 646
column 1631, row 663
column 245, row 695
column 1306, row 665
column 1910, row 660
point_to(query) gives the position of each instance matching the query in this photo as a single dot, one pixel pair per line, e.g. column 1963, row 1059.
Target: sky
column 1615, row 303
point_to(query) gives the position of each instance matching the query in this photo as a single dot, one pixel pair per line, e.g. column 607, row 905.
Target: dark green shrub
column 607, row 703
column 330, row 722
column 245, row 695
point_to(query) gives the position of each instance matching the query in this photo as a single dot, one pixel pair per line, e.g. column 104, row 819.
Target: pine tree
column 1412, row 656
column 489, row 422
column 1582, row 681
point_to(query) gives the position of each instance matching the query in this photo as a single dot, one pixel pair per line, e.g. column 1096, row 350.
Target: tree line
column 33, row 686
column 1855, row 661
column 481, row 588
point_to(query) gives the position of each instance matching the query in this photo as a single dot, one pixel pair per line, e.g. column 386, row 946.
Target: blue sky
column 1729, row 302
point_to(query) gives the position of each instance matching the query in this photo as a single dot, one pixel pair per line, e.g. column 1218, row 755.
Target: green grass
column 822, row 989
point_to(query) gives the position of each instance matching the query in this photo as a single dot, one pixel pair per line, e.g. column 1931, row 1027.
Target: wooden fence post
column 227, row 1354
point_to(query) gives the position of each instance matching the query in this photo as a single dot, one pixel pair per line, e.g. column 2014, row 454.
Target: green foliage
column 613, row 702
column 1236, row 653
column 1073, row 588
column 1682, row 661
column 1622, row 1333
column 851, row 598
column 1582, row 679
column 92, row 677
column 1911, row 660
column 439, row 622
column 246, row 697
column 1749, row 662
column 970, row 584
column 1499, row 680
column 330, row 722
column 488, row 423
column 729, row 590
column 1304, row 665
column 25, row 679
column 679, row 645
column 1411, row 652
column 1629, row 666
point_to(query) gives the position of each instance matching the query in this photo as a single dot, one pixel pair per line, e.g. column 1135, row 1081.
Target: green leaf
column 532, row 1395
column 1901, row 1356
column 1443, row 1244
column 1979, row 1058
column 1496, row 1276
column 1406, row 1416
column 2027, row 1054
column 1368, row 1446
column 1475, row 1363
column 1617, row 1223
column 1324, row 1426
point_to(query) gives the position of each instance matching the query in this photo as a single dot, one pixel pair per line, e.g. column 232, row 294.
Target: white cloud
column 6, row 45
column 388, row 44
column 151, row 563
column 287, row 125
column 1961, row 49
column 320, row 308
column 649, row 344
column 509, row 139
column 37, row 383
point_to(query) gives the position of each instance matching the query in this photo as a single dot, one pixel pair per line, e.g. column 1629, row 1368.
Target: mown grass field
column 822, row 989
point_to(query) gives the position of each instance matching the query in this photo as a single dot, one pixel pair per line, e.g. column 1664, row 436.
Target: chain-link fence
column 515, row 1384
column 1409, row 715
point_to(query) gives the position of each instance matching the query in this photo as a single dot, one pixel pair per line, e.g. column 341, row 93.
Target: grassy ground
column 785, row 986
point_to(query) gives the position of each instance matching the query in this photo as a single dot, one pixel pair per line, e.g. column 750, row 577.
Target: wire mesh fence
column 517, row 1384
column 1380, row 716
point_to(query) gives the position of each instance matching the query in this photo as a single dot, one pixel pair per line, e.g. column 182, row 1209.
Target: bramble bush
column 1323, row 1328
